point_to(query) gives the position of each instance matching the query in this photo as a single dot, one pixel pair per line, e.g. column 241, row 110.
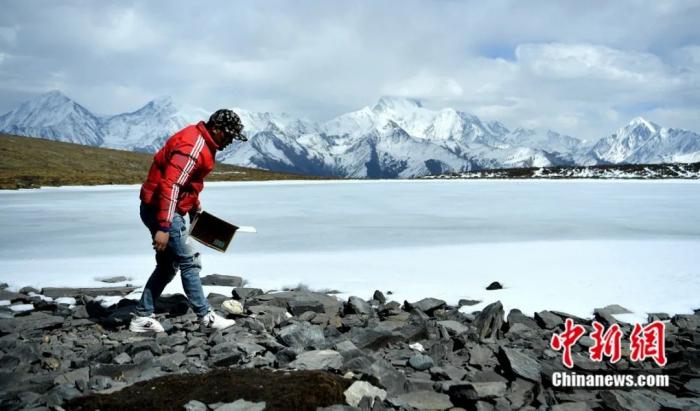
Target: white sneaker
column 145, row 325
column 215, row 321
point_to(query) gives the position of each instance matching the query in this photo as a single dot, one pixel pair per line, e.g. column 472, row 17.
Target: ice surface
column 564, row 245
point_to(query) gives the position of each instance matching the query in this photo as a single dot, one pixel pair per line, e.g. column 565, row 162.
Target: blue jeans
column 177, row 255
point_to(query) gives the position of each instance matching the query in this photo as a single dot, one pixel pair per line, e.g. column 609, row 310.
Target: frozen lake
column 566, row 245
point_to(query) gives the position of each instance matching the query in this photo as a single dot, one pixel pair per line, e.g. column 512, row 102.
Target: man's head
column 225, row 126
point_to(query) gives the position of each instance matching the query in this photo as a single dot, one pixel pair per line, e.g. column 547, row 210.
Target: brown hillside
column 33, row 162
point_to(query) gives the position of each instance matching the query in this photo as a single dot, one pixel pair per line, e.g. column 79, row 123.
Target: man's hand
column 160, row 241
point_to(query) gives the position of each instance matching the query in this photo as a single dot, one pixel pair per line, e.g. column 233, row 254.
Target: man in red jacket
column 170, row 191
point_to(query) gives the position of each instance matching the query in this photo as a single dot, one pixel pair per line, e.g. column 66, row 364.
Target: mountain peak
column 641, row 121
column 393, row 103
column 162, row 101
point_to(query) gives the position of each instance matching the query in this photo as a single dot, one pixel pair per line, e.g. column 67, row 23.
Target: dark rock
column 383, row 375
column 422, row 400
column 226, row 359
column 547, row 320
column 482, row 356
column 286, row 356
column 693, row 386
column 519, row 364
column 122, row 358
column 302, row 335
column 56, row 292
column 627, row 401
column 464, row 395
column 687, row 322
column 34, row 322
column 374, row 338
column 142, row 357
column 448, row 372
column 604, row 317
column 516, row 316
column 170, row 362
column 244, row 293
column 115, row 279
column 651, row 317
column 3, row 286
column 13, row 297
column 489, row 321
column 318, row 360
column 466, row 302
column 172, row 304
column 426, row 305
column 521, row 393
column 223, row 280
column 298, row 307
column 215, row 299
column 357, row 305
column 331, row 304
column 73, row 376
column 454, row 327
column 616, row 309
column 28, row 289
column 379, row 296
column 571, row 406
column 494, row 286
column 420, row 362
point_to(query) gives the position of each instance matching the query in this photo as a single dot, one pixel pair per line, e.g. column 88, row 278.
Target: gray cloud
column 580, row 68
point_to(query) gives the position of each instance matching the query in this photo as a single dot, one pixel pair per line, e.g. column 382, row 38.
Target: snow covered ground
column 564, row 245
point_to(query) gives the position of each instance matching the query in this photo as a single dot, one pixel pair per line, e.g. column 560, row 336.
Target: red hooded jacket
column 177, row 174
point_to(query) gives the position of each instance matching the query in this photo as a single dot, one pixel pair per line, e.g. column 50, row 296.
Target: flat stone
column 423, row 400
column 548, row 320
column 222, row 280
column 516, row 316
column 56, row 292
column 426, row 305
column 481, row 355
column 318, row 360
column 571, row 406
column 616, row 309
column 34, row 321
column 301, row 335
column 115, row 279
column 454, row 327
column 298, row 307
column 360, row 389
column 627, row 401
column 374, row 338
column 331, row 305
column 467, row 302
column 520, row 364
column 465, row 394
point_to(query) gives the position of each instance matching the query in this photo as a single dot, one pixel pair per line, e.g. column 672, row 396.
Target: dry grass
column 32, row 162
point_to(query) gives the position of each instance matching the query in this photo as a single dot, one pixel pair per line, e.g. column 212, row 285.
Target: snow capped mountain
column 642, row 141
column 148, row 127
column 54, row 116
column 396, row 137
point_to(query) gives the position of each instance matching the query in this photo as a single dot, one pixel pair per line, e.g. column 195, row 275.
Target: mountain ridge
column 395, row 138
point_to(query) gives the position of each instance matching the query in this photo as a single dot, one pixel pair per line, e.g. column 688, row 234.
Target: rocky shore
column 304, row 350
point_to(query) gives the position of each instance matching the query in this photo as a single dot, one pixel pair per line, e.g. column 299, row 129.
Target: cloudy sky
column 583, row 68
